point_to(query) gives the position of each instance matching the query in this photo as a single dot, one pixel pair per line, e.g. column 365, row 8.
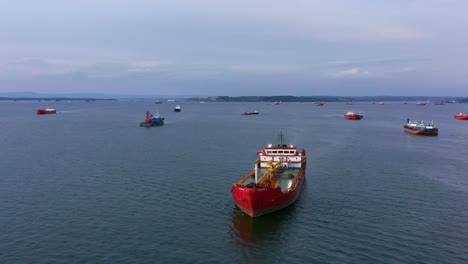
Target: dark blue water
column 89, row 185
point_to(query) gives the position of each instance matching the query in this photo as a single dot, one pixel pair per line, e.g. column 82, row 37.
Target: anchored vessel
column 152, row 120
column 353, row 116
column 177, row 108
column 250, row 113
column 461, row 116
column 274, row 183
column 46, row 111
column 421, row 128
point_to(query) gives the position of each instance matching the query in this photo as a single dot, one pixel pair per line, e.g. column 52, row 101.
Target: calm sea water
column 88, row 185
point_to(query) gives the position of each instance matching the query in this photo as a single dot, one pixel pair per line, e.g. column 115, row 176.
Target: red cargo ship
column 353, row 116
column 461, row 116
column 46, row 111
column 274, row 183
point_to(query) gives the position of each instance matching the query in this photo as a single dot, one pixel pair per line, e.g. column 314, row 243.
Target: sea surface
column 88, row 185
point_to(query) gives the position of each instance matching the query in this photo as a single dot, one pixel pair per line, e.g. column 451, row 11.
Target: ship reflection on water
column 247, row 231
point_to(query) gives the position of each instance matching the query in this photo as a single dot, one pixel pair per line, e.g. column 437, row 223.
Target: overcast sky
column 238, row 47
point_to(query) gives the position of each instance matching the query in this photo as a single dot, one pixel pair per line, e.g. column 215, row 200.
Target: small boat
column 278, row 103
column 349, row 103
column 250, row 113
column 353, row 116
column 461, row 116
column 421, row 103
column 177, row 108
column 46, row 111
column 158, row 102
column 320, row 103
column 421, row 128
column 274, row 183
column 381, row 103
column 152, row 120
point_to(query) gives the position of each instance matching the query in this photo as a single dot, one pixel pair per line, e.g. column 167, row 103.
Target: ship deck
column 284, row 180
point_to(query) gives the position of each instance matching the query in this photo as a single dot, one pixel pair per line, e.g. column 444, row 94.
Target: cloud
column 379, row 61
column 353, row 73
column 27, row 67
column 264, row 69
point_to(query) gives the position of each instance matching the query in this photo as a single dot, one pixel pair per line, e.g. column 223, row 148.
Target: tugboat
column 353, row 116
column 461, row 116
column 250, row 113
column 420, row 128
column 152, row 120
column 274, row 183
column 46, row 111
column 177, row 108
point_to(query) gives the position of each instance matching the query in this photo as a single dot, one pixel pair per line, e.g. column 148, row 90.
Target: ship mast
column 281, row 139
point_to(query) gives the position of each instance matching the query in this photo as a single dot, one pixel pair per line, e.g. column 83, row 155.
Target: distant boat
column 46, row 111
column 438, row 103
column 320, row 103
column 381, row 103
column 421, row 128
column 349, row 103
column 278, row 103
column 421, row 103
column 461, row 116
column 250, row 113
column 177, row 108
column 158, row 102
column 353, row 116
column 152, row 120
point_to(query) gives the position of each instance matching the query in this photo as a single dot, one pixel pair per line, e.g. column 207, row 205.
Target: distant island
column 288, row 98
column 57, row 99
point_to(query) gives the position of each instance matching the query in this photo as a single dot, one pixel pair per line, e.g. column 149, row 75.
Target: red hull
column 260, row 201
column 353, row 117
column 422, row 132
column 45, row 111
column 461, row 117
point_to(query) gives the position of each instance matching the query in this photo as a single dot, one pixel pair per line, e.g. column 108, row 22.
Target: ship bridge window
column 274, row 151
column 280, row 151
column 268, row 152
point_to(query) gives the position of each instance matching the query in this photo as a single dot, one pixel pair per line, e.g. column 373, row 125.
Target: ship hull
column 461, row 117
column 143, row 124
column 261, row 201
column 45, row 112
column 353, row 117
column 423, row 132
